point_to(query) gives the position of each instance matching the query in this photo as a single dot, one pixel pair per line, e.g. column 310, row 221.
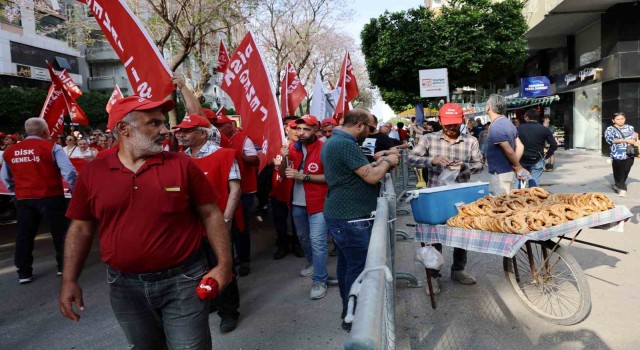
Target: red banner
column 115, row 96
column 147, row 70
column 348, row 88
column 247, row 83
column 222, row 112
column 69, row 85
column 53, row 111
column 295, row 91
column 223, row 58
column 75, row 112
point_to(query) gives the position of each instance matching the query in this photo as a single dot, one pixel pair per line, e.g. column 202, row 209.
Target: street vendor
column 447, row 151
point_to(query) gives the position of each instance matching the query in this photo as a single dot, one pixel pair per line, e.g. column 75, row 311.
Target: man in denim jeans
column 307, row 202
column 534, row 137
column 152, row 209
column 352, row 196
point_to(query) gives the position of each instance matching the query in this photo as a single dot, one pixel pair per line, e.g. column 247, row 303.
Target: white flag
column 321, row 105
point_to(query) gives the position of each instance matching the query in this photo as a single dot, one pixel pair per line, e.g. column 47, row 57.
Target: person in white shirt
column 83, row 151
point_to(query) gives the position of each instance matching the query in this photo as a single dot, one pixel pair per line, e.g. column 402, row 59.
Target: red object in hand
column 207, row 288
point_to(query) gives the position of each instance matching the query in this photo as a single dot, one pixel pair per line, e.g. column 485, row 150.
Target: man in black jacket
column 534, row 136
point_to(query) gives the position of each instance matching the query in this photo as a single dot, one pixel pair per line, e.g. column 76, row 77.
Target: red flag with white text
column 69, row 85
column 53, row 111
column 247, row 83
column 222, row 112
column 147, row 70
column 348, row 88
column 115, row 96
column 75, row 112
column 295, row 90
column 223, row 58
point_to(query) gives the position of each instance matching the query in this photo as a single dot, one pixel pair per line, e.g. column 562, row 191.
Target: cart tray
column 507, row 244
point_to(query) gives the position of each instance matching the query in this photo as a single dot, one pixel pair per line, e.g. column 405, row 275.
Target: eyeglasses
column 372, row 129
column 92, row 139
column 69, row 139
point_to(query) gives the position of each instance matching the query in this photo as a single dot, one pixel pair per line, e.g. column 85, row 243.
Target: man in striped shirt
column 449, row 150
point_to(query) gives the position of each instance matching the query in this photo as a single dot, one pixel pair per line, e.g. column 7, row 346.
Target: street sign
column 434, row 83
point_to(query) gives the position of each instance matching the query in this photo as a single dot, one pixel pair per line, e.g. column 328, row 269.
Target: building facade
column 28, row 39
column 589, row 50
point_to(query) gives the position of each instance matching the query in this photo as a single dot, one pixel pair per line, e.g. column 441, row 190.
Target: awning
column 412, row 112
column 522, row 102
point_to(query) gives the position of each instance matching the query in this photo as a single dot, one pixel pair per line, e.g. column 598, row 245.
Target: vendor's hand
column 522, row 174
column 284, row 151
column 444, row 161
column 177, row 81
column 293, row 174
column 222, row 274
column 70, row 293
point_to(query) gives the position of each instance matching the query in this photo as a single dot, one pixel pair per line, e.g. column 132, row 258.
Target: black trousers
column 228, row 302
column 264, row 187
column 31, row 212
column 281, row 218
column 621, row 169
column 459, row 259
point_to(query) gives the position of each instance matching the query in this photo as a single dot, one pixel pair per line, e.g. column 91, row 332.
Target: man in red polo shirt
column 249, row 163
column 307, row 201
column 220, row 167
column 152, row 209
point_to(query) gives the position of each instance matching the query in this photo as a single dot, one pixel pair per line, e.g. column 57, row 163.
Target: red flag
column 295, row 90
column 115, row 96
column 148, row 72
column 75, row 112
column 223, row 58
column 348, row 88
column 69, row 85
column 53, row 111
column 222, row 112
column 248, row 84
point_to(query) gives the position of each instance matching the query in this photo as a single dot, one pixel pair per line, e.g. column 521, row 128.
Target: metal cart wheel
column 549, row 282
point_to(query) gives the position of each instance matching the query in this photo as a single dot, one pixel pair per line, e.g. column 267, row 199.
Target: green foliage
column 480, row 42
column 18, row 105
column 93, row 103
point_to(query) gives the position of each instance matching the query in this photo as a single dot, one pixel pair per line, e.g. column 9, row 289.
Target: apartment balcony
column 102, row 54
column 102, row 83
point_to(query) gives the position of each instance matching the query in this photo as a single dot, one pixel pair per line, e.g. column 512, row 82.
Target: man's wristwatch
column 306, row 177
column 227, row 221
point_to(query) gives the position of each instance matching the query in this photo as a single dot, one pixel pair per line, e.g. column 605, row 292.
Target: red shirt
column 147, row 220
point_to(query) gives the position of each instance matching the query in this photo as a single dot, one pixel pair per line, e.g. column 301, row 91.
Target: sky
column 364, row 10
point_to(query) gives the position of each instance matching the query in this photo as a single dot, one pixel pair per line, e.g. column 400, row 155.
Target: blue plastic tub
column 436, row 205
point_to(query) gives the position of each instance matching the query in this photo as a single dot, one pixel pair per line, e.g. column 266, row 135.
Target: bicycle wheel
column 557, row 290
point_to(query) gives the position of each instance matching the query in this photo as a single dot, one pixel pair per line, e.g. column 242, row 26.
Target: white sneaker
column 307, row 271
column 435, row 284
column 622, row 193
column 318, row 290
column 463, row 277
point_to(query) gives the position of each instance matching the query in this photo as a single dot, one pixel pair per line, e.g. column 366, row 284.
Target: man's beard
column 142, row 145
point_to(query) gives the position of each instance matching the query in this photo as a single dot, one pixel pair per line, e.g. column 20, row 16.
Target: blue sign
column 535, row 87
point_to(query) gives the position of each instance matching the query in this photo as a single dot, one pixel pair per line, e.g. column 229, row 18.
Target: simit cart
column 544, row 275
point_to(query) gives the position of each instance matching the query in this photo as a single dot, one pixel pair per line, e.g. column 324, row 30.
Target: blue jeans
column 163, row 314
column 536, row 173
column 312, row 234
column 352, row 242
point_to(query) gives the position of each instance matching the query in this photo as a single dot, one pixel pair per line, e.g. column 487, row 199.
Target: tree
column 480, row 42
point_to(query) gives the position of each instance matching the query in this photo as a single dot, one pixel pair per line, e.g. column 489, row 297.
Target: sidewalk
column 488, row 315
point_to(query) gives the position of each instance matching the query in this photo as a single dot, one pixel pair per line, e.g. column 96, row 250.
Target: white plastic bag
column 448, row 176
column 430, row 257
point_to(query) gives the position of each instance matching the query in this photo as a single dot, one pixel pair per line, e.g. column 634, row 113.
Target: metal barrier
column 373, row 292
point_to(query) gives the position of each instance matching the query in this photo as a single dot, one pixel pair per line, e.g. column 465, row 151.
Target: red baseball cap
column 222, row 119
column 292, row 123
column 209, row 114
column 451, row 113
column 135, row 103
column 191, row 121
column 329, row 121
column 307, row 119
column 14, row 137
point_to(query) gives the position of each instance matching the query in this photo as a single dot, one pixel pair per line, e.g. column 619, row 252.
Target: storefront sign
column 535, row 87
column 577, row 79
column 589, row 73
column 23, row 71
column 434, row 82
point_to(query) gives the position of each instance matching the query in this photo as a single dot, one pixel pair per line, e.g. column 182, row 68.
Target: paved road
column 277, row 313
